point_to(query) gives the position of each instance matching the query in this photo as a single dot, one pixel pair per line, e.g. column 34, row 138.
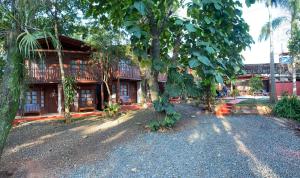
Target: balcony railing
column 52, row 75
column 128, row 72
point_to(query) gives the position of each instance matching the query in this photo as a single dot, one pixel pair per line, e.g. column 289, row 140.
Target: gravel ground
column 200, row 146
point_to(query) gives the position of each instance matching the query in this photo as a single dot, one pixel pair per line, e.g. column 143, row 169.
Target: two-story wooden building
column 126, row 82
column 45, row 94
column 126, row 87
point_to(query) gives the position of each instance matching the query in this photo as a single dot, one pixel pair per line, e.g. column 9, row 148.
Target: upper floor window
column 124, row 65
column 42, row 65
column 73, row 67
column 83, row 65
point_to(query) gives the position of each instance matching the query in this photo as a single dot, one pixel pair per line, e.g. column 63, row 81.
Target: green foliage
column 112, row 109
column 69, row 90
column 2, row 67
column 163, row 105
column 252, row 101
column 288, row 107
column 235, row 92
column 276, row 23
column 209, row 41
column 168, row 122
column 294, row 43
column 154, row 125
column 255, row 84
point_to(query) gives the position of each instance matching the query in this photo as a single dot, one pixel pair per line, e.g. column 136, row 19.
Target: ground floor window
column 35, row 97
column 31, row 97
column 86, row 97
column 124, row 89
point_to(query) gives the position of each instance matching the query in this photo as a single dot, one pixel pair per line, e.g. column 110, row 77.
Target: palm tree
column 267, row 30
column 19, row 34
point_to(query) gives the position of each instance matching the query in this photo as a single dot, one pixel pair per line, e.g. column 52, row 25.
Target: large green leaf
column 202, row 59
column 136, row 31
column 219, row 79
column 190, row 27
column 140, row 6
column 194, row 63
column 210, row 50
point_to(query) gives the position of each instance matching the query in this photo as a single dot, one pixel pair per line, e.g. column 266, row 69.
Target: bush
column 112, row 109
column 255, row 84
column 235, row 92
column 288, row 107
column 154, row 125
column 168, row 122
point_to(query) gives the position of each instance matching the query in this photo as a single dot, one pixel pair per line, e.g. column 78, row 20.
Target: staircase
column 224, row 109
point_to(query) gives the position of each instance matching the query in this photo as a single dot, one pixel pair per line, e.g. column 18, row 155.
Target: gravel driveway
column 200, row 146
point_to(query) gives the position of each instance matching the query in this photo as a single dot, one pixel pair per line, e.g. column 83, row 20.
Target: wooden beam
column 64, row 51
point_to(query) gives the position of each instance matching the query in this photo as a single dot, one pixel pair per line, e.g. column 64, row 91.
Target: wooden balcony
column 128, row 72
column 52, row 75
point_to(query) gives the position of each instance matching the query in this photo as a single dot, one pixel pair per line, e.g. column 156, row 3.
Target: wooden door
column 51, row 99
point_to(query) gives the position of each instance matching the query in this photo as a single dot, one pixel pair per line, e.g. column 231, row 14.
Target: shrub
column 255, row 84
column 288, row 107
column 170, row 120
column 154, row 125
column 112, row 109
column 235, row 92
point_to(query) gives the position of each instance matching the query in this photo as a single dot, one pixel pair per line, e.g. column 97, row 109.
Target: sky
column 256, row 16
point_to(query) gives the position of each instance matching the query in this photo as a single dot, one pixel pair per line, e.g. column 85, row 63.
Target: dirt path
column 40, row 148
column 200, row 145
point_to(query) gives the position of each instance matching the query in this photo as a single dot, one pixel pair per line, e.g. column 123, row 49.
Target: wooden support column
column 118, row 91
column 59, row 99
column 139, row 92
column 76, row 101
column 102, row 96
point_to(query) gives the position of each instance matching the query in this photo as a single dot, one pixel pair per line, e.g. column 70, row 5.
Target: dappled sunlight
column 226, row 125
column 220, row 116
column 22, row 146
column 38, row 141
column 216, row 128
column 195, row 136
column 256, row 165
column 107, row 125
column 263, row 110
column 114, row 137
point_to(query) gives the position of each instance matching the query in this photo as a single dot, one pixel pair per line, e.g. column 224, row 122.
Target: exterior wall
column 80, row 105
column 132, row 91
column 48, row 102
column 244, row 89
column 47, row 70
column 282, row 87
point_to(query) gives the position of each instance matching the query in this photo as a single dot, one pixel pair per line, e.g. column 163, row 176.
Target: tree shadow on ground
column 49, row 149
column 37, row 148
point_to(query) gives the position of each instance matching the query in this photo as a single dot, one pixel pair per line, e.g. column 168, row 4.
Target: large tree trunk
column 294, row 25
column 67, row 114
column 12, row 85
column 108, row 91
column 273, row 96
column 155, row 50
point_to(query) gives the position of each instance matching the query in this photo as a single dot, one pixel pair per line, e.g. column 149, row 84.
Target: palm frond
column 265, row 31
column 28, row 42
